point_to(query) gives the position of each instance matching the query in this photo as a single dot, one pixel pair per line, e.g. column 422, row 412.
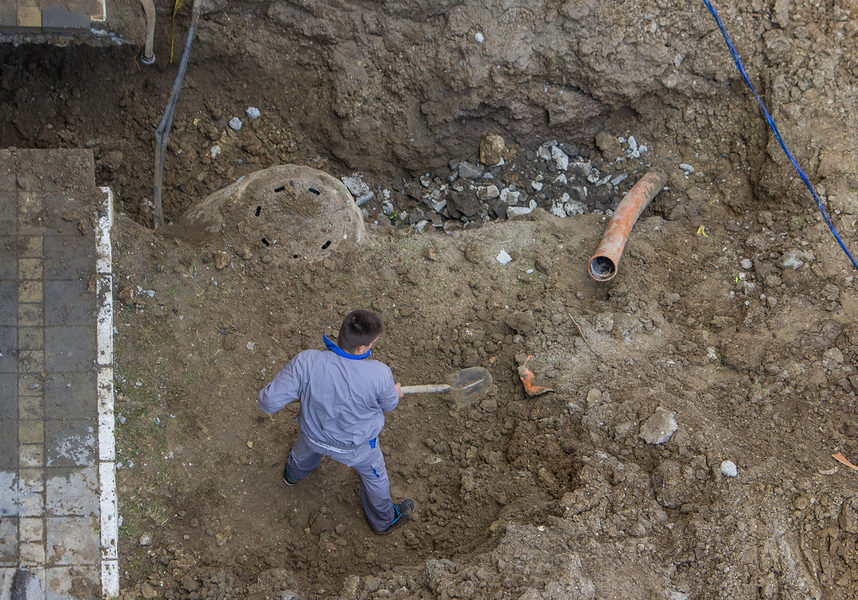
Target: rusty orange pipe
column 603, row 265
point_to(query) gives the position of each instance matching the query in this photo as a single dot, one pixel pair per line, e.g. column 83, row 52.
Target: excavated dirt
column 734, row 309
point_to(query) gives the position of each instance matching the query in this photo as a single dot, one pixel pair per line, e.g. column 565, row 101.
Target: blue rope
column 774, row 129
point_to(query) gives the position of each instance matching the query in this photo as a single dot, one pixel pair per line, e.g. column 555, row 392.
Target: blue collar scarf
column 340, row 352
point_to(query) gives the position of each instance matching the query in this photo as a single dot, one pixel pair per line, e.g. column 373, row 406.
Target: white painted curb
column 106, row 440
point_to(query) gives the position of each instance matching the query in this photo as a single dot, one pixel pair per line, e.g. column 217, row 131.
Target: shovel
column 464, row 386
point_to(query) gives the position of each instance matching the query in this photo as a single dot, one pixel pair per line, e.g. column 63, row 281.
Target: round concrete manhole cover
column 289, row 212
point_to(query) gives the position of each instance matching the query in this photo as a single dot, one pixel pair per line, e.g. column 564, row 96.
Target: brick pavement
column 58, row 517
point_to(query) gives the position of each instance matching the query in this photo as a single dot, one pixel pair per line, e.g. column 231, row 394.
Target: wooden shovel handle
column 431, row 388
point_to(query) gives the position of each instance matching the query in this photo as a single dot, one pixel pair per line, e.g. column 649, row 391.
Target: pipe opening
column 258, row 210
column 264, row 241
column 602, row 268
column 279, row 189
column 314, row 190
column 326, row 244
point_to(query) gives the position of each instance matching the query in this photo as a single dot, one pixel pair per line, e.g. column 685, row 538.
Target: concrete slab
column 7, row 201
column 8, row 302
column 8, row 359
column 70, row 443
column 69, row 395
column 7, row 575
column 69, row 303
column 69, row 349
column 71, row 583
column 69, row 257
column 8, row 444
column 8, row 404
column 71, row 541
column 59, row 18
column 9, row 503
column 8, row 543
column 72, row 492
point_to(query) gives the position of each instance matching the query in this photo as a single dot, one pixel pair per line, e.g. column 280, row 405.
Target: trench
column 101, row 99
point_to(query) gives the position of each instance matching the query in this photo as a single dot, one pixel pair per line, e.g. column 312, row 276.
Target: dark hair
column 359, row 328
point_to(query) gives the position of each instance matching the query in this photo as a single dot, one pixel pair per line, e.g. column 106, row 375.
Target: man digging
column 343, row 396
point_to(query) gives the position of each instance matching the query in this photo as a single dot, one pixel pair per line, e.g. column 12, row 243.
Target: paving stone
column 8, row 444
column 8, row 302
column 7, row 263
column 69, row 303
column 30, row 291
column 9, row 504
column 30, row 246
column 30, row 384
column 7, row 575
column 30, row 481
column 8, row 18
column 31, row 504
column 31, row 407
column 29, row 16
column 69, row 395
column 31, row 554
column 31, row 455
column 31, row 315
column 69, row 349
column 31, row 529
column 31, row 338
column 31, row 361
column 70, row 443
column 30, row 268
column 31, row 432
column 72, row 541
column 62, row 19
column 8, row 359
column 65, row 583
column 69, row 257
column 8, row 397
column 8, row 543
column 62, row 212
column 72, row 492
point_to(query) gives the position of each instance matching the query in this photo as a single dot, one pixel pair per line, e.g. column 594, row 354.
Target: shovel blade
column 469, row 384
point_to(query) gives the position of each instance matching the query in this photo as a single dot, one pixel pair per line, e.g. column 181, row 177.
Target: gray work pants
column 367, row 459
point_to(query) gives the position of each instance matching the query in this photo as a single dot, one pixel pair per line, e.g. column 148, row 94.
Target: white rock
column 235, row 123
column 659, row 427
column 561, row 159
column 536, row 185
column 387, row 208
column 544, row 151
column 479, row 37
column 687, row 168
column 253, row 112
column 573, row 208
column 358, row 188
column 518, row 211
column 214, row 151
column 729, row 469
column 509, row 197
column 504, row 258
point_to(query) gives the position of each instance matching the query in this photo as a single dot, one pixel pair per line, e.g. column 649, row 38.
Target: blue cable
column 774, row 129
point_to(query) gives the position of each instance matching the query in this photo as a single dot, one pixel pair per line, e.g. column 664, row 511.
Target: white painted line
column 106, row 440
